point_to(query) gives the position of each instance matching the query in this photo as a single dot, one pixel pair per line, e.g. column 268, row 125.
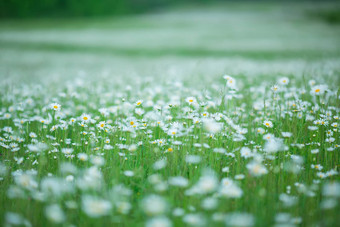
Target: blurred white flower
column 229, row 189
column 95, row 207
column 193, row 159
column 239, row 219
column 246, row 152
column 178, row 181
column 55, row 214
column 154, row 205
column 129, row 173
column 273, row 145
column 256, row 168
column 194, row 219
column 212, row 126
column 331, row 189
column 284, row 81
column 268, row 124
column 160, row 164
column 160, row 221
column 55, row 106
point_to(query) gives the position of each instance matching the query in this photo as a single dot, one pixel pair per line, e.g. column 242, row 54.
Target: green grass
column 260, row 194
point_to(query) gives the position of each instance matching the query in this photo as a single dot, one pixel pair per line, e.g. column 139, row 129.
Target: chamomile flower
column 178, row 181
column 284, row 81
column 139, row 111
column 160, row 221
column 82, row 156
column 286, row 134
column 240, row 219
column 229, row 189
column 7, row 115
column 273, row 145
column 129, row 173
column 33, row 135
column 154, row 205
column 212, row 126
column 311, row 83
column 260, row 130
column 246, row 152
column 191, row 100
column 317, row 167
column 268, row 124
column 101, row 125
column 95, row 207
column 314, row 151
column 139, row 102
column 230, row 82
column 55, row 106
column 256, row 169
column 318, row 89
column 85, row 118
column 275, row 88
column 67, row 151
column 55, row 214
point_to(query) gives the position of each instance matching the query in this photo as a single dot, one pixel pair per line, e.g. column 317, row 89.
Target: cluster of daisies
column 234, row 153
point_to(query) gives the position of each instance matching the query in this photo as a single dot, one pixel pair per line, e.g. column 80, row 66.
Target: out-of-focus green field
column 250, row 38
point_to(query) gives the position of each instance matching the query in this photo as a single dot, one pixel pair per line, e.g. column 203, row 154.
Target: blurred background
column 91, row 8
column 58, row 39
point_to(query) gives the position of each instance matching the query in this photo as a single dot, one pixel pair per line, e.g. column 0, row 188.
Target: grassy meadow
column 222, row 115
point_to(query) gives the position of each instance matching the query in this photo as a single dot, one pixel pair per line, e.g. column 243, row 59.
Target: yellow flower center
column 256, row 169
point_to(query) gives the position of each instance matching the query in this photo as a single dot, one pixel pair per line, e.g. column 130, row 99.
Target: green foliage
column 331, row 16
column 43, row 8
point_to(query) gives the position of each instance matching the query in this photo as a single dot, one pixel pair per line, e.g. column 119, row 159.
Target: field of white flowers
column 173, row 138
